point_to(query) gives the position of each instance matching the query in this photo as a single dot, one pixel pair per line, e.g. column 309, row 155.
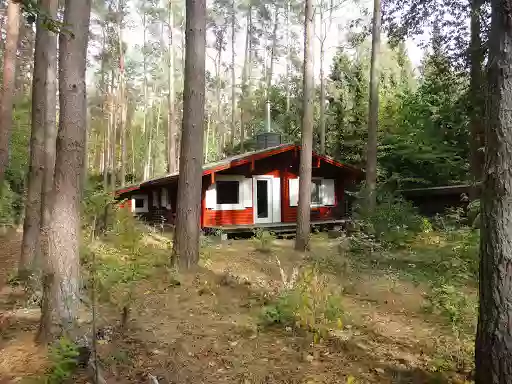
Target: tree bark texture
column 373, row 118
column 493, row 350
column 44, row 50
column 306, row 153
column 8, row 89
column 322, row 98
column 50, row 137
column 64, row 228
column 186, row 240
column 477, row 95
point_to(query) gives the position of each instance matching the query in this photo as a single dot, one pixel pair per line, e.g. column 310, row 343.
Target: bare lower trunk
column 113, row 134
column 207, row 138
column 106, row 132
column 493, row 350
column 304, row 207
column 186, row 244
column 9, row 76
column 64, row 228
column 45, row 47
column 147, row 167
column 373, row 118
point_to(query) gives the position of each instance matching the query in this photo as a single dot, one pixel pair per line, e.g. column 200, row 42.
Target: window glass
column 315, row 191
column 228, row 192
column 139, row 203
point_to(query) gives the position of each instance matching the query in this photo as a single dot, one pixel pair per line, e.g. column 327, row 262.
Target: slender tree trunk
column 306, row 153
column 9, row 76
column 104, row 121
column 287, row 80
column 245, row 76
column 158, row 118
column 493, row 350
column 219, row 122
column 173, row 129
column 147, row 167
column 113, row 135
column 322, row 100
column 477, row 98
column 64, row 227
column 188, row 211
column 233, row 75
column 207, row 139
column 373, row 119
column 31, row 227
column 273, row 51
column 50, row 138
column 122, row 96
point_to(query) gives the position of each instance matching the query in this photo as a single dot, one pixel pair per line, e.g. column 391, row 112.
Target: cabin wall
column 289, row 213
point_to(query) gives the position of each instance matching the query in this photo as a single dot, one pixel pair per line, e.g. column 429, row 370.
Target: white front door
column 263, row 199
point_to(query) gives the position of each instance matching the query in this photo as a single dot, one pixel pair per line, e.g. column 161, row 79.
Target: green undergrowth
column 312, row 305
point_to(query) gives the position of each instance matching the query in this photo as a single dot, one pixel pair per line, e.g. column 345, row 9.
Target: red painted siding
column 289, row 214
column 215, row 218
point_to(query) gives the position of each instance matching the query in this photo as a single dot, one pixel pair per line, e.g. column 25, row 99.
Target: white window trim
column 145, row 208
column 232, row 207
column 313, row 205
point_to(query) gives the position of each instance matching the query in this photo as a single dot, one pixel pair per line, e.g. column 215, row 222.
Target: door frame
column 270, row 190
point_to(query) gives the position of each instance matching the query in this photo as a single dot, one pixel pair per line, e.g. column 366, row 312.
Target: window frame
column 231, row 207
column 237, row 188
column 144, row 208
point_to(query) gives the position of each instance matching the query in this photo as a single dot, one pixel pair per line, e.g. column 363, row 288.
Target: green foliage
column 312, row 305
column 7, row 197
column 263, row 240
column 393, row 222
column 63, row 355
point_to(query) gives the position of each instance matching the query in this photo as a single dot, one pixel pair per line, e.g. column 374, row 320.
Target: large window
column 228, row 191
column 316, row 196
column 140, row 203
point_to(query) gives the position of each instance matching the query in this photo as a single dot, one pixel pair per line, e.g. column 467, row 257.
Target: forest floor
column 211, row 325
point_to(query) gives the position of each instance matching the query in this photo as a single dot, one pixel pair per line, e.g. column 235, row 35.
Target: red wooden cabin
column 256, row 189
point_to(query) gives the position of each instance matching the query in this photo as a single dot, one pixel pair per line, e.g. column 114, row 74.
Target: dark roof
column 234, row 161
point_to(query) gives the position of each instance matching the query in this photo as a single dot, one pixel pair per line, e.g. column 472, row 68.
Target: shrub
column 311, row 305
column 393, row 222
column 263, row 240
column 64, row 360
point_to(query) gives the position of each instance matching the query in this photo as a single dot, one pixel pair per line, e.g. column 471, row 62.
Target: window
column 316, row 196
column 140, row 203
column 228, row 192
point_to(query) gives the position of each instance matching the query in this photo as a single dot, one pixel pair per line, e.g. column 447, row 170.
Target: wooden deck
column 274, row 227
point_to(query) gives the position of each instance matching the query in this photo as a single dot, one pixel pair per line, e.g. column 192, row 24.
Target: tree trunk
column 373, row 118
column 64, row 227
column 306, row 153
column 147, row 167
column 245, row 76
column 477, row 98
column 287, row 80
column 207, row 139
column 122, row 97
column 233, row 75
column 31, row 227
column 188, row 210
column 155, row 153
column 113, row 135
column 9, row 76
column 322, row 99
column 104, row 90
column 273, row 50
column 219, row 122
column 493, row 350
column 172, row 128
